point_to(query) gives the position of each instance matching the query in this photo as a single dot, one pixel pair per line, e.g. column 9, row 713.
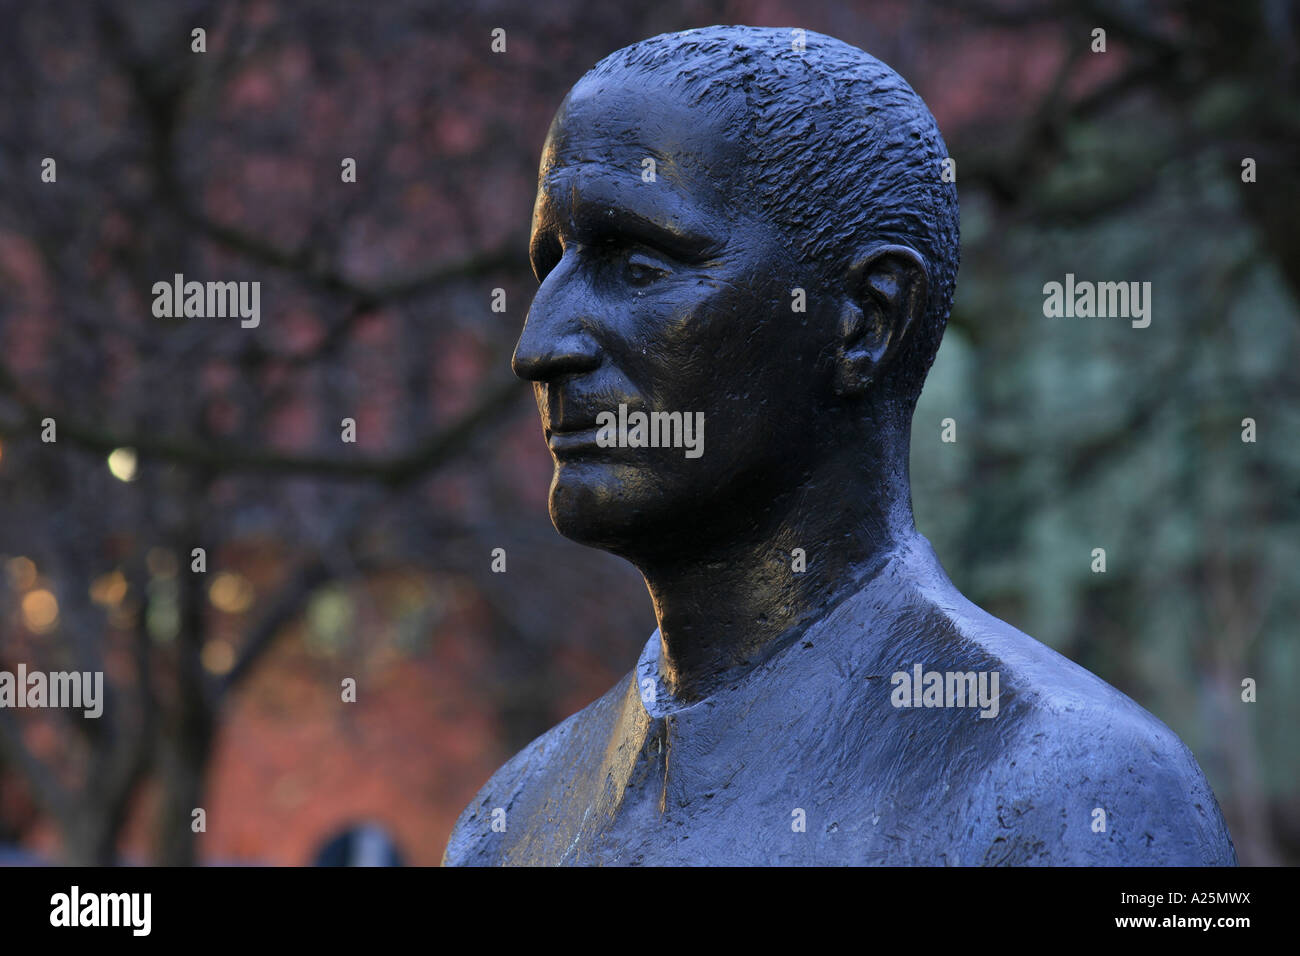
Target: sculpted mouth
column 576, row 430
column 566, row 441
column 570, row 428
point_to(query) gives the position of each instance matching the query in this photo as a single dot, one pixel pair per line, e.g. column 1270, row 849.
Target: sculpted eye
column 643, row 269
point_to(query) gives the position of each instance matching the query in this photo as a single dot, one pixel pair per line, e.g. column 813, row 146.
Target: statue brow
column 597, row 220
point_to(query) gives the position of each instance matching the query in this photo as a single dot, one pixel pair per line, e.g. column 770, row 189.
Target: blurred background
column 373, row 561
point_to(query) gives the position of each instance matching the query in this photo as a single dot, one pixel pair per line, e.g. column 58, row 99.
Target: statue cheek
column 669, row 329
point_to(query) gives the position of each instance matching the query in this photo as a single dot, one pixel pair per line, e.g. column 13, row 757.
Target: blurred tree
column 1088, row 433
column 228, row 164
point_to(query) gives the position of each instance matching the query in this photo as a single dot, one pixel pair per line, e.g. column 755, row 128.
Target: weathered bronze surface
column 694, row 188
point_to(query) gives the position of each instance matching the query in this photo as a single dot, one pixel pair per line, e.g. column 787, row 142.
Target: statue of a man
column 750, row 229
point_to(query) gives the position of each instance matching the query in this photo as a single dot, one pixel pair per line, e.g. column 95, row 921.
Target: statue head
column 753, row 233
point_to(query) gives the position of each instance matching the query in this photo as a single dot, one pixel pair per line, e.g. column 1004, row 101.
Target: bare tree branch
column 428, row 454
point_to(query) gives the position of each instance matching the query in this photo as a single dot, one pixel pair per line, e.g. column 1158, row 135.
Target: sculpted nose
column 541, row 358
column 552, row 346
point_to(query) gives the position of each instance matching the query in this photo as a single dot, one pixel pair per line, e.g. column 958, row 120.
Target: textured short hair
column 842, row 151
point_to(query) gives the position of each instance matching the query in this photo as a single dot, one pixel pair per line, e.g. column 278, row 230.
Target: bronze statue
column 749, row 228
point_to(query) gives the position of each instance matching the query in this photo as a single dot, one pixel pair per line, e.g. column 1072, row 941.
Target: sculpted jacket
column 814, row 757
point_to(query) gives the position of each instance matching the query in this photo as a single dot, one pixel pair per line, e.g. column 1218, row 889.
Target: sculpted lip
column 569, row 428
column 573, row 433
column 566, row 440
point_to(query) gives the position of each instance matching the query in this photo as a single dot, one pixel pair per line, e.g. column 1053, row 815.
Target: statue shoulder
column 1074, row 771
column 1102, row 784
column 524, row 780
column 1090, row 777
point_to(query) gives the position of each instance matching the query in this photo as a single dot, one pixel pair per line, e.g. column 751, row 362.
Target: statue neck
column 725, row 610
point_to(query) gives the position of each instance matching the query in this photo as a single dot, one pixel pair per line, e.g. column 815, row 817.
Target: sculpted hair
column 844, row 153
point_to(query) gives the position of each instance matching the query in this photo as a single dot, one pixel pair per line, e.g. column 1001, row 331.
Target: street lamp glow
column 121, row 462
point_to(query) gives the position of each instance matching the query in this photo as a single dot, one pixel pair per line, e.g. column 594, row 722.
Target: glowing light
column 109, row 589
column 121, row 462
column 218, row 656
column 22, row 572
column 40, row 610
column 231, row 592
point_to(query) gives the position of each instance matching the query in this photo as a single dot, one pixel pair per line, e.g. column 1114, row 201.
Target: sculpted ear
column 886, row 291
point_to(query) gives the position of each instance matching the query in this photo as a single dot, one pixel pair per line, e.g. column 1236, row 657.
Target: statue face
column 671, row 295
